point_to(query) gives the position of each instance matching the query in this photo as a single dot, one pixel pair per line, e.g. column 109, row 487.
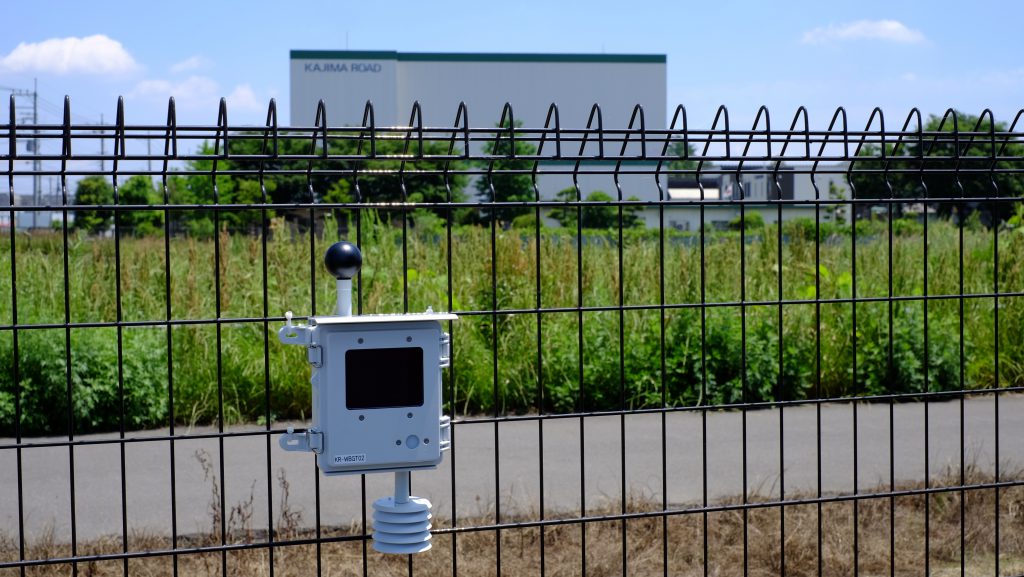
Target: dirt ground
column 829, row 539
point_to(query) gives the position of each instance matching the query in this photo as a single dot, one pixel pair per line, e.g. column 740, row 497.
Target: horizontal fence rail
column 786, row 349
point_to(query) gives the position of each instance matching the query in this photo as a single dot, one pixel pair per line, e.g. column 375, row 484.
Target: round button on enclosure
column 412, row 441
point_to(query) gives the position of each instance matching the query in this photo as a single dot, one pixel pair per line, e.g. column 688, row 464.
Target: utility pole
column 32, row 145
column 36, row 164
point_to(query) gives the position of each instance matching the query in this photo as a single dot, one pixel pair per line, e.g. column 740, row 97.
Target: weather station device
column 376, row 384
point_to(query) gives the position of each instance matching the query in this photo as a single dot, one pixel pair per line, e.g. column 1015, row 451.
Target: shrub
column 752, row 221
column 95, row 397
column 525, row 221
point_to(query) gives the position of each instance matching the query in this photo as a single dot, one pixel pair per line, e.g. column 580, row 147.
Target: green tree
column 93, row 190
column 969, row 177
column 138, row 190
column 941, row 166
column 503, row 185
column 684, row 154
column 376, row 180
column 199, row 187
column 597, row 217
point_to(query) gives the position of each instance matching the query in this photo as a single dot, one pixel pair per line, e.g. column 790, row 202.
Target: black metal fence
column 769, row 350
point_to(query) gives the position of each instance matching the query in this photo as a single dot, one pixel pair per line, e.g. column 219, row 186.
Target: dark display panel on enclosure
column 383, row 378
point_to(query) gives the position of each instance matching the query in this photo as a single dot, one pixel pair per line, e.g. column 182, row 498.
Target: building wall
column 530, row 82
column 345, row 84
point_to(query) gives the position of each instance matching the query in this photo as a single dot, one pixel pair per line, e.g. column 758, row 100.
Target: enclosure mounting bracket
column 308, row 440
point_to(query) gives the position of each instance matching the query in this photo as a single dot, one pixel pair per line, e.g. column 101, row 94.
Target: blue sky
column 892, row 54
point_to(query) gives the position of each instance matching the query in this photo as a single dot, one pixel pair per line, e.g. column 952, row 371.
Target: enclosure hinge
column 308, row 440
column 446, row 350
column 315, row 355
column 446, row 433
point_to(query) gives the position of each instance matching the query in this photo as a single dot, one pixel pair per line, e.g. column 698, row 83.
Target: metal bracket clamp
column 308, row 440
column 291, row 334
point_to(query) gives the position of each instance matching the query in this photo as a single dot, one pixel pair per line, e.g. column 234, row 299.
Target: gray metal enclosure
column 791, row 348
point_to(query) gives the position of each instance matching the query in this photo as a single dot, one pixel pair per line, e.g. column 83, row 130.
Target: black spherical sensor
column 343, row 260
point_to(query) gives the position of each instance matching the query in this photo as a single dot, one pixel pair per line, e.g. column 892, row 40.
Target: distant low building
column 758, row 186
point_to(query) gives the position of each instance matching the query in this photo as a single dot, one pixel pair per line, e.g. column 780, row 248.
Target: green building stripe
column 344, row 54
column 474, row 57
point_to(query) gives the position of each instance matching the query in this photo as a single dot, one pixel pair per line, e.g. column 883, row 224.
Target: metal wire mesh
column 899, row 253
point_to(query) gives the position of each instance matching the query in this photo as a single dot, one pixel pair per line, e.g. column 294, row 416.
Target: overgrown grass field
column 237, row 370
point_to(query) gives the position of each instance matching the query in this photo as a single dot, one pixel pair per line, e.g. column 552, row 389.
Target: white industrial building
column 393, row 81
column 346, row 79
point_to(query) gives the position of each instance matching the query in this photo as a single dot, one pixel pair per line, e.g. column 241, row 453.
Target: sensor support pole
column 344, row 307
column 402, row 486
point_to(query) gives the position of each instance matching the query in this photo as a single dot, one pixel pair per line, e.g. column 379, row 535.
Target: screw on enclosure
column 343, row 260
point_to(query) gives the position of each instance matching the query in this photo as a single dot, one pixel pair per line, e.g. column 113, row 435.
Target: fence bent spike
column 1013, row 126
column 763, row 111
column 552, row 115
column 415, row 122
column 369, row 121
column 461, row 115
column 119, row 140
column 680, row 112
column 271, row 129
column 319, row 124
column 171, row 136
column 723, row 114
column 222, row 129
column 507, row 115
column 876, row 113
column 638, row 114
column 595, row 114
column 840, row 113
column 65, row 141
column 801, row 112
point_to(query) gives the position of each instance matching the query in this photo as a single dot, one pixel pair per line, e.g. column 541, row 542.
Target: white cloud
column 96, row 54
column 243, row 98
column 189, row 64
column 192, row 88
column 197, row 93
column 887, row 30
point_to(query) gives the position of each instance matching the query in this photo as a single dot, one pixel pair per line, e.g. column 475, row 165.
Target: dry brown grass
column 677, row 539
